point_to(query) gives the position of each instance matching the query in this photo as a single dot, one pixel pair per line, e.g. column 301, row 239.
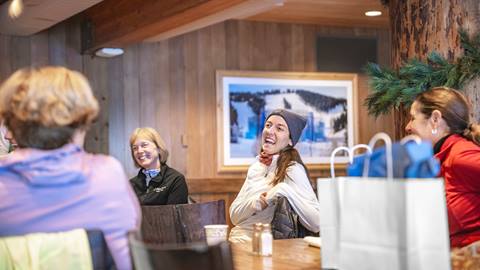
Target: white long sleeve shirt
column 246, row 209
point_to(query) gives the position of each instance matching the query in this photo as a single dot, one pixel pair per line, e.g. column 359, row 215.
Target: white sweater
column 246, row 210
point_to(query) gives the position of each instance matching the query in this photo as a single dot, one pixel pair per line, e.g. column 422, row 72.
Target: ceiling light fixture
column 108, row 52
column 15, row 9
column 373, row 13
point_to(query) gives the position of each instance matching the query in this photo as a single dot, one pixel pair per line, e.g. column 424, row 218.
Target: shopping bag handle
column 350, row 154
column 332, row 158
column 388, row 154
column 359, row 146
column 409, row 138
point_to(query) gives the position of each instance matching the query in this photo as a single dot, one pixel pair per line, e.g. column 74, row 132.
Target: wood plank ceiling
column 349, row 13
column 123, row 22
column 119, row 23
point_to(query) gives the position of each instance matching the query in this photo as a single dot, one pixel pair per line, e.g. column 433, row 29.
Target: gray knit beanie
column 295, row 122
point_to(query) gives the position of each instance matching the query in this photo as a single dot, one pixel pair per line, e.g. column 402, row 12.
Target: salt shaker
column 266, row 240
column 257, row 231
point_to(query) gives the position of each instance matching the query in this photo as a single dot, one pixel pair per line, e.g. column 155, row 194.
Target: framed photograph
column 246, row 98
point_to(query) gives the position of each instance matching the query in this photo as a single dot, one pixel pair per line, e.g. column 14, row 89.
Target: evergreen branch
column 390, row 89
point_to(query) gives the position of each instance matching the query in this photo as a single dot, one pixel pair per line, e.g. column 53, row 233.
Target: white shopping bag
column 394, row 224
column 330, row 199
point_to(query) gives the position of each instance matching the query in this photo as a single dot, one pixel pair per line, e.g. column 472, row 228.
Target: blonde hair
column 149, row 134
column 44, row 106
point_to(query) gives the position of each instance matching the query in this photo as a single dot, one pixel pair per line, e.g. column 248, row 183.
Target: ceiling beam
column 240, row 11
column 118, row 23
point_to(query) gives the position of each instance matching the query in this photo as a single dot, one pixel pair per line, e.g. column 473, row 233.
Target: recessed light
column 15, row 9
column 373, row 13
column 108, row 52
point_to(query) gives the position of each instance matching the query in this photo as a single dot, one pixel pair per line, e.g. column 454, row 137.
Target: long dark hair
column 455, row 109
column 287, row 157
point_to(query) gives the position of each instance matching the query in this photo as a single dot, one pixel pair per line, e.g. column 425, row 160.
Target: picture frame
column 245, row 98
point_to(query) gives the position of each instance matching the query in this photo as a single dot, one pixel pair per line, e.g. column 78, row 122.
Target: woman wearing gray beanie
column 278, row 171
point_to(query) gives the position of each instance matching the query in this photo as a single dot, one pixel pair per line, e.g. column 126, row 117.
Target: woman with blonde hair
column 443, row 116
column 156, row 183
column 49, row 183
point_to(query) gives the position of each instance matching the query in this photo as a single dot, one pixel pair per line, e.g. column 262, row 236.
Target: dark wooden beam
column 122, row 22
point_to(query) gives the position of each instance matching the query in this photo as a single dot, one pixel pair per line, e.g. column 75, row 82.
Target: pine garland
column 390, row 89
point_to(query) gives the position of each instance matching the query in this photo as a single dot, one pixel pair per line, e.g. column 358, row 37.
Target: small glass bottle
column 266, row 240
column 257, row 231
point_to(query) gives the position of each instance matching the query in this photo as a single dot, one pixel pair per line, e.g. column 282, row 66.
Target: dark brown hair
column 287, row 157
column 455, row 109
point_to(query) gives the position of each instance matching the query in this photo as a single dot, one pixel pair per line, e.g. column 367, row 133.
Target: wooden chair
column 160, row 225
column 181, row 223
column 187, row 256
column 192, row 218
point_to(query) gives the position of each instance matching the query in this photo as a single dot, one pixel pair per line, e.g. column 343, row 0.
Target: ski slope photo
column 325, row 108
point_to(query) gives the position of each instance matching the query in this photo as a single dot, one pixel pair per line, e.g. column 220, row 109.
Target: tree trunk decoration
column 421, row 26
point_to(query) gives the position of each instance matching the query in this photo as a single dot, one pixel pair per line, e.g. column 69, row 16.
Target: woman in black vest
column 155, row 183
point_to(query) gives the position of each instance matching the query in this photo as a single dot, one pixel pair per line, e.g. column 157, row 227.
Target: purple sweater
column 67, row 188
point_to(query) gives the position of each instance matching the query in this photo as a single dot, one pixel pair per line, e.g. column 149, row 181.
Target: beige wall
column 170, row 86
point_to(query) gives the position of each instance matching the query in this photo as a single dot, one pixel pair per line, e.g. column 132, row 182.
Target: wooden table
column 287, row 254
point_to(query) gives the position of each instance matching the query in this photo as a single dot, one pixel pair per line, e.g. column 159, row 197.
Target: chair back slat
column 181, row 223
column 160, row 225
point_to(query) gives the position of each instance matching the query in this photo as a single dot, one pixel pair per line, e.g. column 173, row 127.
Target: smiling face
column 275, row 135
column 422, row 125
column 146, row 154
column 418, row 124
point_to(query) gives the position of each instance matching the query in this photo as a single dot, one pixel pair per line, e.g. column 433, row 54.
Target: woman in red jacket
column 442, row 116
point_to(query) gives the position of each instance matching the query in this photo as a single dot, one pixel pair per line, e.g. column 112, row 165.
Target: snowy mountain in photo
column 326, row 118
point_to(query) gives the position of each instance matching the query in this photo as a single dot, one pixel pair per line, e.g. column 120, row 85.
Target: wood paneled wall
column 170, row 86
column 60, row 45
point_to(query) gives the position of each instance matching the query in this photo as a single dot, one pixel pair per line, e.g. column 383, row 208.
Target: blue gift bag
column 410, row 160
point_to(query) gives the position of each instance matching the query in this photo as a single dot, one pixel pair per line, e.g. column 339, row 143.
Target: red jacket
column 460, row 159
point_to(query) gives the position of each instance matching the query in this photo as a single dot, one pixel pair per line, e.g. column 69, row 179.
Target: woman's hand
column 263, row 200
